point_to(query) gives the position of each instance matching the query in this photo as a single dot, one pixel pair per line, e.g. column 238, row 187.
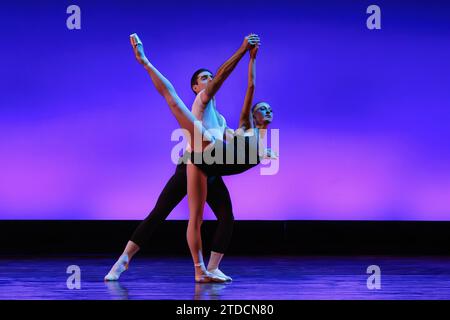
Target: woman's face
column 262, row 114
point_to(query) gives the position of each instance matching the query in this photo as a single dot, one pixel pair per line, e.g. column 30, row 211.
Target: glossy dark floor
column 288, row 278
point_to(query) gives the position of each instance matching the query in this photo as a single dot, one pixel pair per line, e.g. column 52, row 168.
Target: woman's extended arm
column 245, row 120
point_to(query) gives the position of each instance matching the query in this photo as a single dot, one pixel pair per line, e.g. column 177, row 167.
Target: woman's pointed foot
column 134, row 39
column 138, row 49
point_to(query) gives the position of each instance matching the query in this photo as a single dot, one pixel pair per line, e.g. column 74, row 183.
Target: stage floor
column 262, row 277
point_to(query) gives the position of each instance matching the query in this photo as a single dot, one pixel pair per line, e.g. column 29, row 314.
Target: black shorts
column 227, row 158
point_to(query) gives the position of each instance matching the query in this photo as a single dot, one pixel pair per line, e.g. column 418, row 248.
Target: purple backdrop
column 363, row 115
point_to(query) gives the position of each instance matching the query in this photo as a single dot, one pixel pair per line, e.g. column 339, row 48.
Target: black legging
column 218, row 198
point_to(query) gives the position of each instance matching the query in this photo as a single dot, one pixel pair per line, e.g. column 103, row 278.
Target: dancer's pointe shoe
column 205, row 276
column 208, row 277
column 134, row 39
column 138, row 49
column 220, row 274
column 120, row 266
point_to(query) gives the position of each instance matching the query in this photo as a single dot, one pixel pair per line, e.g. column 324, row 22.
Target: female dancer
column 197, row 173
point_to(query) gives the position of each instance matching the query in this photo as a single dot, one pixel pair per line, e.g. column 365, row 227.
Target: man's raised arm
column 226, row 69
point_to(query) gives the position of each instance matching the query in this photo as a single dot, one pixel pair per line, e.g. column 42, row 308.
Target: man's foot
column 120, row 266
column 220, row 274
column 138, row 49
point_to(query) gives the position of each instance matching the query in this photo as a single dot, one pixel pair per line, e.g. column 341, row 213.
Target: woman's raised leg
column 183, row 115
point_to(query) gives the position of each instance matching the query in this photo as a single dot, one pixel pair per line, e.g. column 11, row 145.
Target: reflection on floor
column 262, row 277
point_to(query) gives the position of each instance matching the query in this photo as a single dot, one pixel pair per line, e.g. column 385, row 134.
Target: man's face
column 262, row 114
column 202, row 81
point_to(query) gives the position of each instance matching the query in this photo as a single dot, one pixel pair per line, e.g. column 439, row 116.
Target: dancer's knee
column 226, row 217
column 195, row 223
column 172, row 102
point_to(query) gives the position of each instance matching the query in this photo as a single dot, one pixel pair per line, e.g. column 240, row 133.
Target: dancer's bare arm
column 226, row 69
column 245, row 120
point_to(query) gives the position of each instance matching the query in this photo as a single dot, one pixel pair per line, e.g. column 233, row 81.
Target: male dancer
column 218, row 197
